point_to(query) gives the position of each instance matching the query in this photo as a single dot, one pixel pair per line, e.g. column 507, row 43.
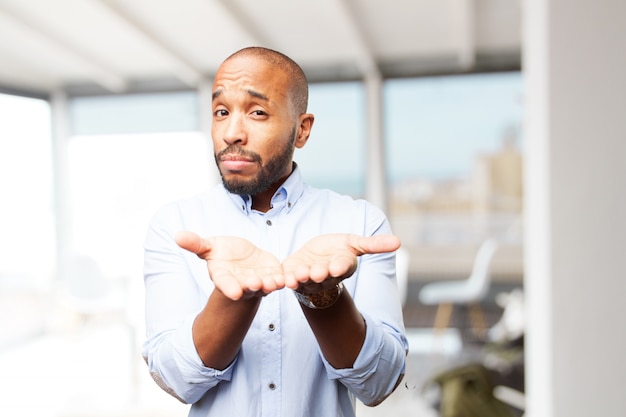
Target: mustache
column 238, row 150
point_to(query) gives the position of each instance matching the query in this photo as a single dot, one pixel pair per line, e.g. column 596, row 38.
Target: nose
column 234, row 130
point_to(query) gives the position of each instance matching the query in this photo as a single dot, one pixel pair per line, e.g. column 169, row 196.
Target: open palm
column 327, row 259
column 238, row 268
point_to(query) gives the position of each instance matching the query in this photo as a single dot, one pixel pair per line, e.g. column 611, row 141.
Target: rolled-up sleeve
column 173, row 300
column 176, row 367
column 381, row 362
column 384, row 349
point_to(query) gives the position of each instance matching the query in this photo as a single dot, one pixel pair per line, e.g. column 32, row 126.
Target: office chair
column 470, row 291
column 402, row 272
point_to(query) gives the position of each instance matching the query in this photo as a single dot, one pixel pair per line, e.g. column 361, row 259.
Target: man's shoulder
column 328, row 196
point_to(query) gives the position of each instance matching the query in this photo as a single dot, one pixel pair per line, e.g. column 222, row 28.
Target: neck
column 263, row 201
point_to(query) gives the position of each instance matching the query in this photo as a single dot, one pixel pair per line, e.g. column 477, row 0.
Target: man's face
column 254, row 128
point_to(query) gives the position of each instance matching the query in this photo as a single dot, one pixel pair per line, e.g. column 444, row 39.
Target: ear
column 304, row 129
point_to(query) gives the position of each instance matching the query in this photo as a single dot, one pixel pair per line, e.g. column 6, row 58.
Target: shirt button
column 272, row 386
column 271, row 327
column 269, row 222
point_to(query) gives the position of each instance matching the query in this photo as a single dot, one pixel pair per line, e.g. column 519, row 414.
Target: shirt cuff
column 190, row 363
column 367, row 359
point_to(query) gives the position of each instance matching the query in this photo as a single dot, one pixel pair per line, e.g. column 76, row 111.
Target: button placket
column 271, row 355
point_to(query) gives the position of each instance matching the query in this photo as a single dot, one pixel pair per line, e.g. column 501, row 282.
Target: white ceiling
column 94, row 46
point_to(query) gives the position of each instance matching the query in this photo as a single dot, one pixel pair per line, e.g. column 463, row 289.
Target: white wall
column 575, row 69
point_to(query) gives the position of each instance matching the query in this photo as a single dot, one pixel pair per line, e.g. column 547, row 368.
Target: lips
column 236, row 157
column 236, row 162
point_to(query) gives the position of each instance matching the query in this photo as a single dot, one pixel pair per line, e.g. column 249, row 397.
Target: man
column 264, row 296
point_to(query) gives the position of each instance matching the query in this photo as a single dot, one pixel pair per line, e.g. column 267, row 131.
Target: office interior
column 95, row 150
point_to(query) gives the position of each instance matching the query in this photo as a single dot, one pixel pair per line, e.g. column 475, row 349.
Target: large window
column 26, row 189
column 454, row 157
column 453, row 148
column 334, row 157
column 117, row 182
column 27, row 232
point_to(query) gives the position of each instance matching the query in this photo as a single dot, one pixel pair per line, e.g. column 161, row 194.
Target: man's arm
column 339, row 330
column 242, row 274
column 320, row 266
column 220, row 328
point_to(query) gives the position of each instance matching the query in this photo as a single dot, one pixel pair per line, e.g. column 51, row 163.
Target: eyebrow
column 253, row 93
column 258, row 95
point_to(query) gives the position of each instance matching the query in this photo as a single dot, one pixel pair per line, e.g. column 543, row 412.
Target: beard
column 269, row 173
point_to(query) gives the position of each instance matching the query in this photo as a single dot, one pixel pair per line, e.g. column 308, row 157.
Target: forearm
column 219, row 329
column 174, row 363
column 339, row 329
column 365, row 350
column 379, row 366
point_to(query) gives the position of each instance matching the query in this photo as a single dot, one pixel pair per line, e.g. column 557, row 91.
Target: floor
column 88, row 370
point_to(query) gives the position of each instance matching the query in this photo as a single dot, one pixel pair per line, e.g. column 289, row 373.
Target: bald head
column 299, row 88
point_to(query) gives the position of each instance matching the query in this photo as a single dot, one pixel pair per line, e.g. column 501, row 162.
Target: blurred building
column 442, row 221
column 497, row 178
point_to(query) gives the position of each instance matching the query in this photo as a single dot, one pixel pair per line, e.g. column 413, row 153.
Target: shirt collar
column 285, row 197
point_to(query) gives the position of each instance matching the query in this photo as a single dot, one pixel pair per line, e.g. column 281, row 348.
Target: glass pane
column 334, row 156
column 454, row 157
column 27, row 239
column 134, row 113
column 26, row 189
column 119, row 181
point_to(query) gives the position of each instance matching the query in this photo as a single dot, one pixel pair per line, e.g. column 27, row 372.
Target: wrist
column 322, row 299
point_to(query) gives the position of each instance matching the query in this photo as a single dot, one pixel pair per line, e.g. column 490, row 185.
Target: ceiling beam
column 102, row 74
column 244, row 23
column 467, row 32
column 184, row 70
column 365, row 58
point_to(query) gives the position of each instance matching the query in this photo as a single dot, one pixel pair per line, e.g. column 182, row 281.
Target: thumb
column 193, row 243
column 377, row 244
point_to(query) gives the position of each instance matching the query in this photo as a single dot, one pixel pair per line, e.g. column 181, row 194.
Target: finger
column 290, row 280
column 302, row 273
column 375, row 244
column 228, row 286
column 193, row 243
column 342, row 266
column 279, row 280
column 272, row 281
column 318, row 272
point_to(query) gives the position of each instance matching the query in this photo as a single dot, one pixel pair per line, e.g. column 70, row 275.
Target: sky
column 434, row 127
column 437, row 125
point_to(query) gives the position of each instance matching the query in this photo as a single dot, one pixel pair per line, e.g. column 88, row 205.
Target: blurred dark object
column 468, row 391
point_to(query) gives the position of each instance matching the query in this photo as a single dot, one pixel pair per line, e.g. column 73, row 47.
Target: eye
column 220, row 113
column 259, row 113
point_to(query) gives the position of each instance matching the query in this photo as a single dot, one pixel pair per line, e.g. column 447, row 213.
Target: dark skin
column 252, row 109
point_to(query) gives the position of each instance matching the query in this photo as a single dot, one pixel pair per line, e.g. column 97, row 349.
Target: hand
column 326, row 260
column 239, row 269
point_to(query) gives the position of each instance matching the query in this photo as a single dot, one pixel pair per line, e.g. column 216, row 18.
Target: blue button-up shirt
column 280, row 370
